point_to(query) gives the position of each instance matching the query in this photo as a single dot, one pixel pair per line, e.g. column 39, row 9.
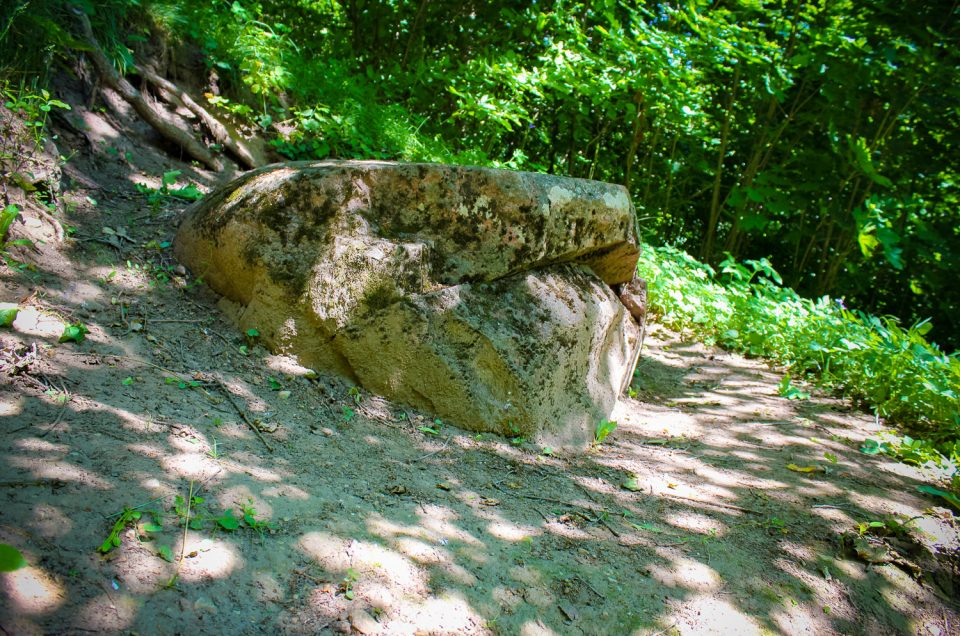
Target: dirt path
column 376, row 525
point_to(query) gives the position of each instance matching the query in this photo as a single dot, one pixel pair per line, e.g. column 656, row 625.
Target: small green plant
column 952, row 498
column 775, row 525
column 183, row 384
column 889, row 526
column 129, row 517
column 214, row 452
column 904, row 448
column 251, row 335
column 434, row 429
column 355, row 395
column 787, row 390
column 10, row 558
column 250, row 518
column 189, row 510
column 156, row 197
column 349, row 580
column 227, row 521
column 35, row 108
column 347, row 413
column 8, row 315
column 75, row 332
column 604, row 428
column 7, row 217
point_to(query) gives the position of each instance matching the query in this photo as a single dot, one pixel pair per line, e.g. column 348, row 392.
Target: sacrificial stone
column 482, row 296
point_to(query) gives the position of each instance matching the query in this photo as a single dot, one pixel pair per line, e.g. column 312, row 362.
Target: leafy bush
column 892, row 369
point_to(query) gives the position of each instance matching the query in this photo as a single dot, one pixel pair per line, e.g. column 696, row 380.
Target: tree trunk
column 706, row 253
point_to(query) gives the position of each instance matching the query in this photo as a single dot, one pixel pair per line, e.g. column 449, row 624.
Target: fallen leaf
column 75, row 333
column 569, row 611
column 871, row 553
column 489, row 501
column 8, row 315
column 10, row 558
column 631, row 485
column 802, row 469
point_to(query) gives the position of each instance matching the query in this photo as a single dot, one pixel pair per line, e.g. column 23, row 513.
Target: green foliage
column 8, row 315
column 787, row 390
column 604, row 428
column 75, row 332
column 346, row 585
column 10, row 558
column 908, row 450
column 824, row 133
column 34, row 106
column 894, row 370
column 7, row 217
column 156, row 197
column 129, row 517
column 892, row 525
column 433, row 429
column 190, row 513
column 952, row 498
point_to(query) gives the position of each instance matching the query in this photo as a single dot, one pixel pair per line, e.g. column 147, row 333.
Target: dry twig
column 253, row 427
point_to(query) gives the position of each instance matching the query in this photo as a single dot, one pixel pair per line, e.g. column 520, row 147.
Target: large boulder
column 480, row 295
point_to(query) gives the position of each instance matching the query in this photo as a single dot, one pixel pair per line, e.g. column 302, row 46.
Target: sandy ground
column 343, row 513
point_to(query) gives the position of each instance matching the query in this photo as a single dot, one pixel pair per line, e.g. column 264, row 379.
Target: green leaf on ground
column 949, row 496
column 8, row 315
column 604, row 428
column 165, row 553
column 631, row 484
column 10, row 558
column 228, row 521
column 74, row 333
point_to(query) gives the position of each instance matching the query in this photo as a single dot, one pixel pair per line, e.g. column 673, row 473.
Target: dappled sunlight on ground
column 31, row 590
column 341, row 514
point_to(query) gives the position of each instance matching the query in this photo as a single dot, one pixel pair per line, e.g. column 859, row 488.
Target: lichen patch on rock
column 481, row 295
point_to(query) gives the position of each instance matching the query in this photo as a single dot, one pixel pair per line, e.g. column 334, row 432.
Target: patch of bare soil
column 319, row 509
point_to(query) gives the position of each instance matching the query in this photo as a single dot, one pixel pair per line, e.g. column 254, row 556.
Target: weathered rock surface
column 633, row 295
column 481, row 295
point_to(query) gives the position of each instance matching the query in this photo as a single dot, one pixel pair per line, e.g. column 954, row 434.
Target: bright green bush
column 895, row 371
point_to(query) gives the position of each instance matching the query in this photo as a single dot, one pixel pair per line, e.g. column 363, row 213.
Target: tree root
column 220, row 133
column 110, row 77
